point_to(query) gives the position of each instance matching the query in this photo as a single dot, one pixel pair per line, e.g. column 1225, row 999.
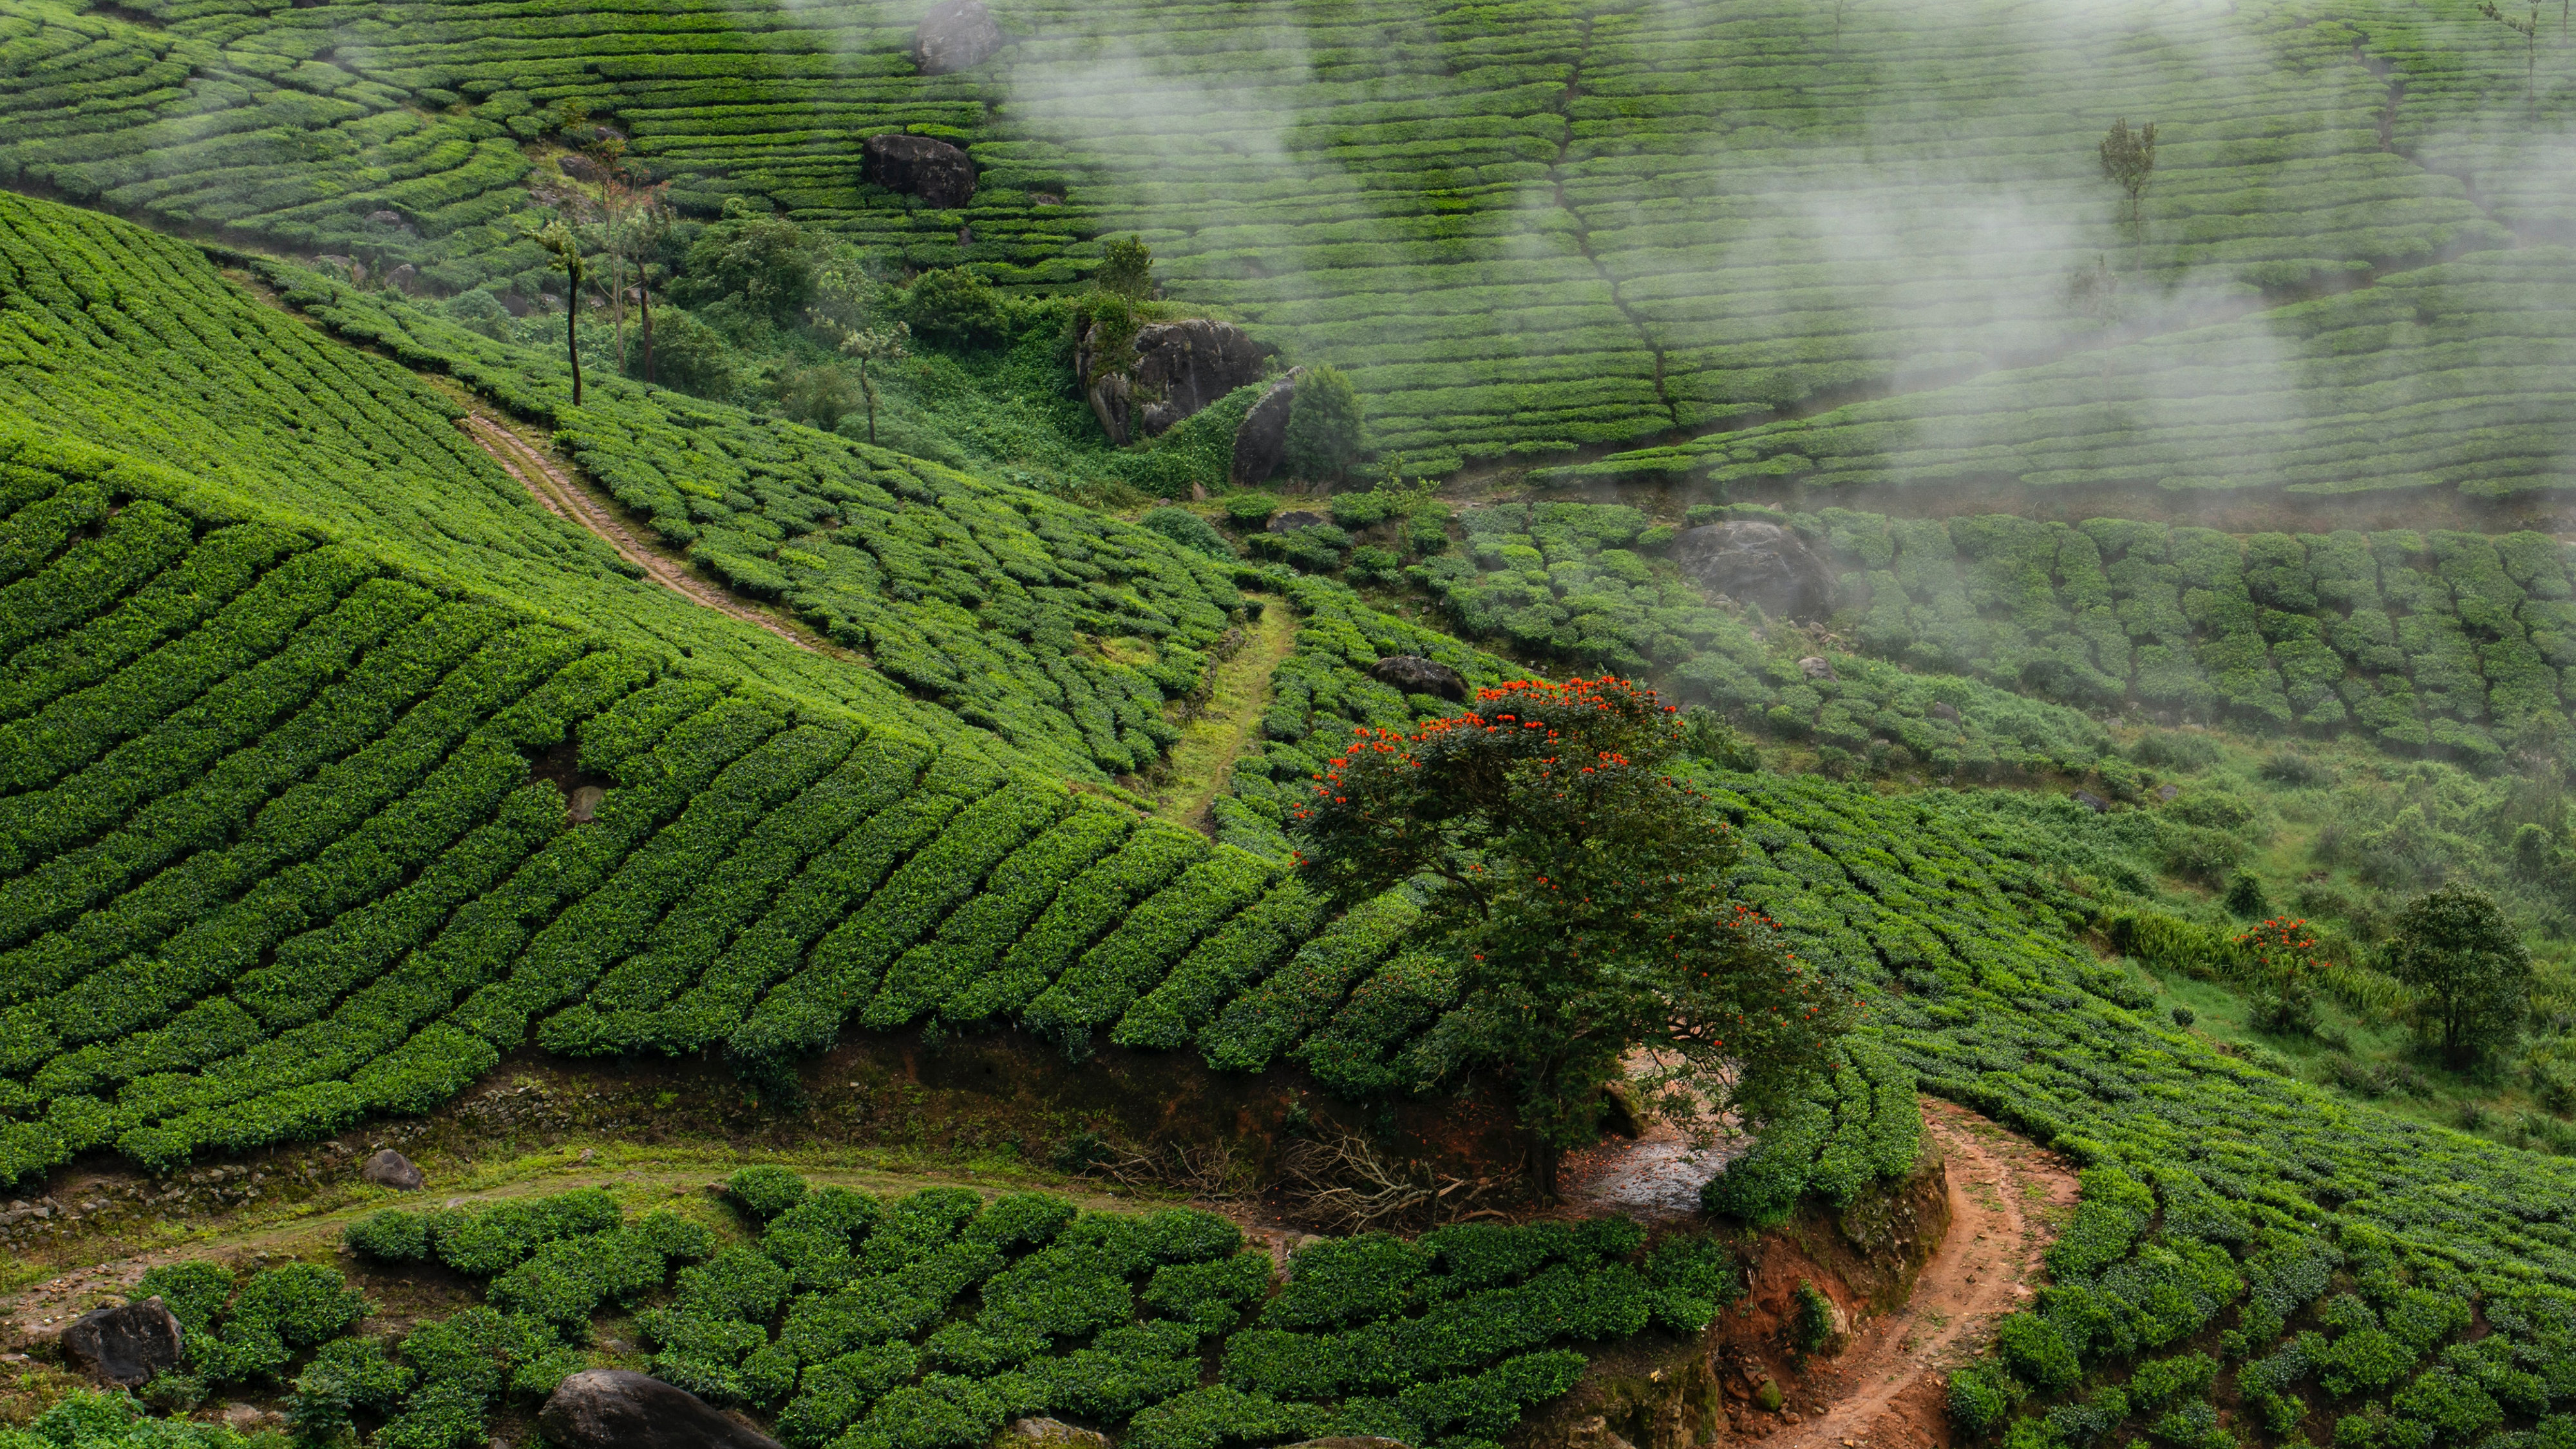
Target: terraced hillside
column 1562, row 224
column 2450, row 641
column 2448, row 379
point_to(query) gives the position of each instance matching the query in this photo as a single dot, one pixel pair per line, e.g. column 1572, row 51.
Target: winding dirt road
column 1886, row 1390
column 565, row 498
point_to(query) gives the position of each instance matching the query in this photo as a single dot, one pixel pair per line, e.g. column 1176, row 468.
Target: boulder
column 579, row 167
column 583, row 808
column 2090, row 801
column 1416, row 675
column 125, row 1345
column 2169, row 793
column 403, row 278
column 389, row 1168
column 1293, row 518
column 1944, row 709
column 956, row 35
column 1758, row 563
column 1816, row 666
column 1180, row 368
column 616, row 1409
column 385, row 218
column 1261, row 440
column 920, row 166
column 1049, row 1434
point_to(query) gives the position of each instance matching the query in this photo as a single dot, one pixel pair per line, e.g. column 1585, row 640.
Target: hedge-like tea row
column 927, row 1321
column 1864, row 1126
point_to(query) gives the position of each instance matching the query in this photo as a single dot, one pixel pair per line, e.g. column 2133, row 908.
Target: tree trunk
column 868, row 390
column 644, row 301
column 572, row 337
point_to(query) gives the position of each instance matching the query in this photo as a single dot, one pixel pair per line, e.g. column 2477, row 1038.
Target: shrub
column 953, row 305
column 389, row 1234
column 2469, row 967
column 1324, row 428
column 2301, row 771
column 2183, row 1016
column 765, row 1192
column 2033, row 1350
column 1250, row 510
column 1811, row 1324
column 1189, row 531
column 1980, row 1398
column 2175, row 750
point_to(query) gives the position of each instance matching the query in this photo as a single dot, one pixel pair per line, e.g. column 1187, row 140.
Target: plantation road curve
column 566, row 499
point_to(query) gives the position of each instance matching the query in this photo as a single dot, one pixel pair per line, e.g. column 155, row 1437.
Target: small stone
column 127, row 1344
column 389, row 1168
column 617, row 1409
column 956, row 35
column 1049, row 1434
column 1414, row 674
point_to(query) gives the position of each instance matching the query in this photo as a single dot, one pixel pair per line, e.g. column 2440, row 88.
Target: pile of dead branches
column 1345, row 1183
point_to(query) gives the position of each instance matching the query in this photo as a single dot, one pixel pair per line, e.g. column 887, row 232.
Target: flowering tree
column 1582, row 890
column 2286, row 965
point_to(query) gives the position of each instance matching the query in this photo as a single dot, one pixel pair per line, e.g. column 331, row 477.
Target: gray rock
column 1758, row 563
column 919, row 166
column 1416, row 675
column 2090, row 801
column 127, row 1344
column 579, row 167
column 1293, row 518
column 2169, row 793
column 1261, row 440
column 1180, row 368
column 956, row 35
column 389, row 1168
column 403, row 278
column 584, row 805
column 1943, row 709
column 1049, row 1434
column 615, row 1409
column 1816, row 666
column 385, row 218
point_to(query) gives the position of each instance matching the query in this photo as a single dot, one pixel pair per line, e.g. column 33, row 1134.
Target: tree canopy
column 1581, row 888
column 2469, row 967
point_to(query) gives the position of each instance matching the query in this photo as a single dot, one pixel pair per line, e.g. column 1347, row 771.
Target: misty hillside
column 1588, row 724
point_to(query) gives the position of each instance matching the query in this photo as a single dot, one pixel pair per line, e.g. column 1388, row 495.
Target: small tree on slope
column 2469, row 968
column 1582, row 893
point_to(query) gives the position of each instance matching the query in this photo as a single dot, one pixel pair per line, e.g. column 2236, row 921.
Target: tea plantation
column 1594, row 223
column 2443, row 641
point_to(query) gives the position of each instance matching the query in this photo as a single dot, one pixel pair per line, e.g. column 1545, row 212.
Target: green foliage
column 1811, row 1323
column 1582, row 905
column 1250, row 510
column 1861, row 1127
column 86, row 1419
column 758, row 265
column 2468, row 964
column 1126, row 268
column 1189, row 531
column 955, row 307
column 1325, row 431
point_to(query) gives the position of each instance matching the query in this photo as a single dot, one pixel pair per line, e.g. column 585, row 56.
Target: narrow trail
column 2006, row 1200
column 1238, row 695
column 566, row 499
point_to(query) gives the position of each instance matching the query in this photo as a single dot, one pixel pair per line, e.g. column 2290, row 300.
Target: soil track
column 565, row 498
column 1887, row 1389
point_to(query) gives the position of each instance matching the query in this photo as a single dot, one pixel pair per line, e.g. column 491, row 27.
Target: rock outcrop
column 1757, row 563
column 1180, row 367
column 919, row 166
column 615, row 1409
column 1049, row 1434
column 389, row 1168
column 956, row 35
column 1261, row 439
column 125, row 1345
column 1416, row 675
column 1817, row 666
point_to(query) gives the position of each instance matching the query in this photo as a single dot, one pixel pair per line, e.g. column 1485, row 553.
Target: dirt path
column 2006, row 1199
column 565, row 498
column 1229, row 721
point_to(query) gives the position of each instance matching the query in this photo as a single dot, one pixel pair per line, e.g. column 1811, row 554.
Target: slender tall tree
column 2129, row 161
column 558, row 239
column 2529, row 29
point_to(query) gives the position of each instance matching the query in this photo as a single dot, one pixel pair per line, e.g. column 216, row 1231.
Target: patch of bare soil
column 1653, row 1176
column 1887, row 1388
